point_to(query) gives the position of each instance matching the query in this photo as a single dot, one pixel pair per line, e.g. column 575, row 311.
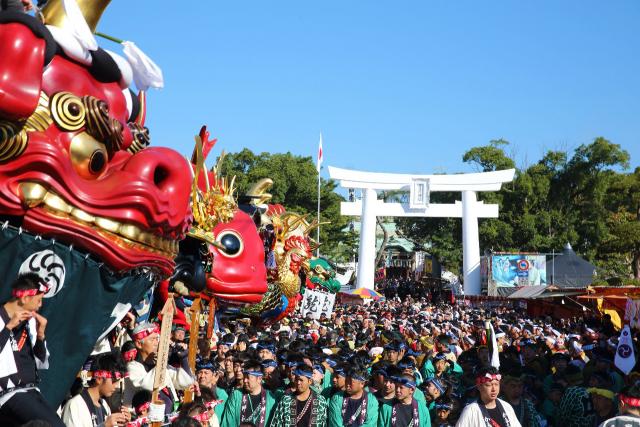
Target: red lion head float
column 73, row 158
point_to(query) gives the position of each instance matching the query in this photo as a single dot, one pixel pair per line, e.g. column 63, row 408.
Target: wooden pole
column 163, row 351
column 212, row 313
column 193, row 343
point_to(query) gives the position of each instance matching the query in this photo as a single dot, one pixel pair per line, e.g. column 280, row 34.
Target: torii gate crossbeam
column 469, row 209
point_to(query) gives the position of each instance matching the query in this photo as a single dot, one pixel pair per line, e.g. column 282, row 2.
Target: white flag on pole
column 495, row 354
column 320, row 156
column 625, row 358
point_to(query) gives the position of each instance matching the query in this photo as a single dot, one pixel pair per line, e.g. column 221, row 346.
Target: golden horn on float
column 92, row 10
column 259, row 191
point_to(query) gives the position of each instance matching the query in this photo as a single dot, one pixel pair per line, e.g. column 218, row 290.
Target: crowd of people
column 390, row 363
column 401, row 287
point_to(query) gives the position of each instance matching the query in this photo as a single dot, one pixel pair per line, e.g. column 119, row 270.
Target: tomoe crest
column 49, row 267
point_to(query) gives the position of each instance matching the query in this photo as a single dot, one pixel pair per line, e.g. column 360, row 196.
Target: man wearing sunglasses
column 23, row 352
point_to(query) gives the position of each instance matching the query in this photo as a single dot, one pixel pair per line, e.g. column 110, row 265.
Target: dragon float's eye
column 229, row 243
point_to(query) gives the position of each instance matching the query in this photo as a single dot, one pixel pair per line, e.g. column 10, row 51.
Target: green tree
column 295, row 186
column 621, row 248
column 490, row 157
column 586, row 190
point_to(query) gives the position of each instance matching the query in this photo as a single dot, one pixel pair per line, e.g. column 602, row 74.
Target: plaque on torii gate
column 420, row 187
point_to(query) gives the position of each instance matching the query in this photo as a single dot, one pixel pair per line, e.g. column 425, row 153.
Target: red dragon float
column 247, row 259
column 222, row 258
column 83, row 199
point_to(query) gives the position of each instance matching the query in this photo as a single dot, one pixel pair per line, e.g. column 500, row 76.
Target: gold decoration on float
column 101, row 126
column 14, row 136
column 141, row 138
column 13, row 140
column 258, row 192
column 41, row 119
column 68, row 111
column 215, row 205
column 53, row 12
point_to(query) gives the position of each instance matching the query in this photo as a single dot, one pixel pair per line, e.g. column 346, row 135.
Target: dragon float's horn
column 198, row 212
column 142, row 112
column 54, row 14
column 193, row 172
column 198, row 158
column 314, row 247
column 309, row 228
column 206, row 144
column 231, row 189
column 258, row 191
column 288, row 226
column 314, row 224
column 218, row 167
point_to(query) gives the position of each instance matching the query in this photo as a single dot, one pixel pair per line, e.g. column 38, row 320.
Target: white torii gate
column 469, row 209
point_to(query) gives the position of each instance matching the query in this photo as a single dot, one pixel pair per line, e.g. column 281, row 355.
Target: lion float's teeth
column 57, row 203
column 34, row 194
column 108, row 224
column 82, row 216
column 130, row 231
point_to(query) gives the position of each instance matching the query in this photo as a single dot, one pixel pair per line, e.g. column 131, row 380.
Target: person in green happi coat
column 252, row 404
column 355, row 406
column 405, row 410
column 302, row 408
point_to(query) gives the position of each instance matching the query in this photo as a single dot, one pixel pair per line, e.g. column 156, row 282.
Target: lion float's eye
column 89, row 157
column 68, row 111
column 229, row 243
column 97, row 162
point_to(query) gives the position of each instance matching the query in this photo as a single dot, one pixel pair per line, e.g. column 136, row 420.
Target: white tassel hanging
column 146, row 73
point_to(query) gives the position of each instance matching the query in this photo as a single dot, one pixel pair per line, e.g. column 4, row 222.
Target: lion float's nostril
column 160, row 175
column 165, row 170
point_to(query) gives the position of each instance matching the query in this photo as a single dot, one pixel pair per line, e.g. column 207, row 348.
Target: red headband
column 146, row 332
column 43, row 288
column 201, row 417
column 24, row 293
column 107, row 374
column 128, row 356
column 143, row 407
column 630, row 401
column 487, row 378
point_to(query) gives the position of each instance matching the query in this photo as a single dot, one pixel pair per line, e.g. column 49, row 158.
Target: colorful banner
column 516, row 270
column 314, row 303
column 83, row 302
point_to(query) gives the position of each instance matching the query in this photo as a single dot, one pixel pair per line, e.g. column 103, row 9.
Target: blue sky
column 404, row 86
